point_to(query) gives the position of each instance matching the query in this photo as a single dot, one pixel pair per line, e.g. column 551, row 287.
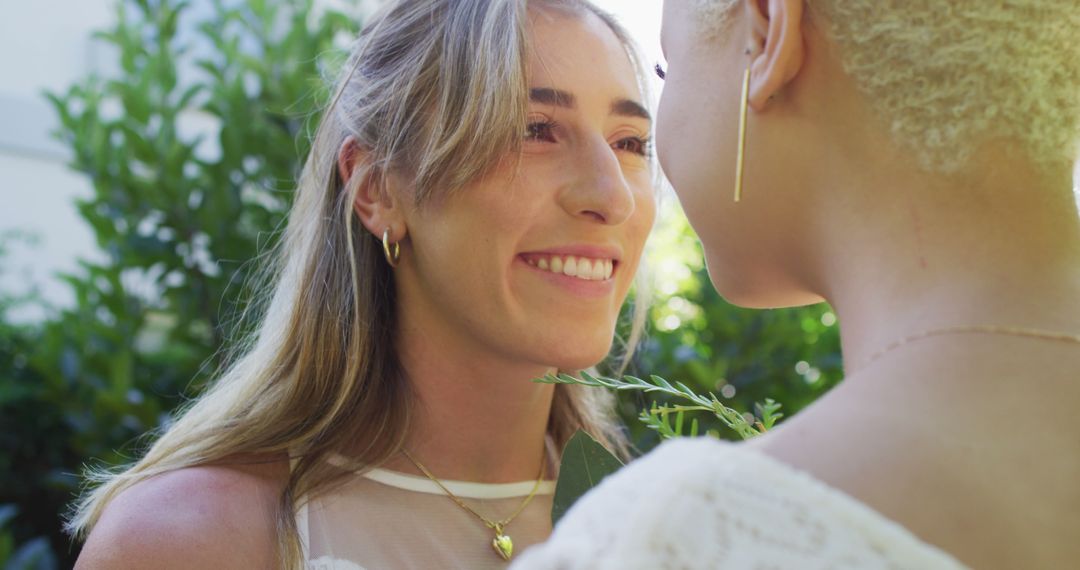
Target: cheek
column 457, row 246
column 689, row 138
column 639, row 226
column 645, row 218
column 696, row 145
column 668, row 122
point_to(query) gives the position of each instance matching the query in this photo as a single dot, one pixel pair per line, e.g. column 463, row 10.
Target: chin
column 581, row 357
column 751, row 289
column 582, row 363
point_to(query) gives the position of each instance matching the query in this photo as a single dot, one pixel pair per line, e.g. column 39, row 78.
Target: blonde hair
column 947, row 77
column 437, row 91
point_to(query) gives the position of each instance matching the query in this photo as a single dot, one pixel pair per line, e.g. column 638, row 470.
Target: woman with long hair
column 912, row 164
column 471, row 217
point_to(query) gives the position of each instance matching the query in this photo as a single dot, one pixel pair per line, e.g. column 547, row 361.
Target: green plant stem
column 731, row 418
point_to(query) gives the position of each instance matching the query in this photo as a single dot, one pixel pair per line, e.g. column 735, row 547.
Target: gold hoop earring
column 392, row 256
column 741, row 158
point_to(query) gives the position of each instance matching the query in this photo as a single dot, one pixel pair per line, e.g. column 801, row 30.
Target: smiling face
column 532, row 263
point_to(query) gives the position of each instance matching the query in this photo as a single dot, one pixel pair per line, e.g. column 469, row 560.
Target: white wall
column 44, row 44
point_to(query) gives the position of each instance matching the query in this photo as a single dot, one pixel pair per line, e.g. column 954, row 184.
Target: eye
column 660, row 71
column 636, row 145
column 543, row 131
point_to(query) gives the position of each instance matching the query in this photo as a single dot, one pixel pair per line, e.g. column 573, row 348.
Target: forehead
column 578, row 50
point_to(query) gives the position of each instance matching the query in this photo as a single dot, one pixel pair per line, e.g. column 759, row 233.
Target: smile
column 588, row 269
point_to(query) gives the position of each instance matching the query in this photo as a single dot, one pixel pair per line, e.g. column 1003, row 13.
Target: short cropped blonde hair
column 947, row 77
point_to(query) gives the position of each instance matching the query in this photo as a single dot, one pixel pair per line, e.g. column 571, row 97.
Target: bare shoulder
column 220, row 516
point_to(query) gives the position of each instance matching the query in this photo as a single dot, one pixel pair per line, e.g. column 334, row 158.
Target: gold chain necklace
column 502, row 543
column 973, row 329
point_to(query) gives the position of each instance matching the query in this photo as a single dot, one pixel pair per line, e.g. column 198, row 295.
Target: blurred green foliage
column 744, row 356
column 193, row 147
column 27, row 430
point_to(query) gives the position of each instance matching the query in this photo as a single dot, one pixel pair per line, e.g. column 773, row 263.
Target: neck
column 999, row 250
column 477, row 417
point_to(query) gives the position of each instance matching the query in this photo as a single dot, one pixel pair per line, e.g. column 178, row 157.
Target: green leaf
column 769, row 412
column 584, row 464
column 662, row 383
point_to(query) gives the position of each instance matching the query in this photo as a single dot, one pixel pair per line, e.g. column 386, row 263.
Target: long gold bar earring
column 743, row 107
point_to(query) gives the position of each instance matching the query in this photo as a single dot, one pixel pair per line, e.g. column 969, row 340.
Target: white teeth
column 598, row 270
column 570, row 267
column 584, row 269
column 580, row 267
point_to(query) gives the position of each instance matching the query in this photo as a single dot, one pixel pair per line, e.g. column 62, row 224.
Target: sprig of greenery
column 768, row 412
column 658, row 417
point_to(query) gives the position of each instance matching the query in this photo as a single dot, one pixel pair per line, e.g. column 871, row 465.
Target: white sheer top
column 704, row 503
column 384, row 520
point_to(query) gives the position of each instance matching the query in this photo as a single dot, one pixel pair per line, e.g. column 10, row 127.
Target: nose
column 599, row 190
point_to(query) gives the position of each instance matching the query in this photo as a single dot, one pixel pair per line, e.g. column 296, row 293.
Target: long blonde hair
column 433, row 89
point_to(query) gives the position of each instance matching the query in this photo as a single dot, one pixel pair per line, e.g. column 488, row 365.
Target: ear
column 777, row 46
column 375, row 204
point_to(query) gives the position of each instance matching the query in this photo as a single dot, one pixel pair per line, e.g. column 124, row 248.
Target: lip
column 580, row 250
column 573, row 285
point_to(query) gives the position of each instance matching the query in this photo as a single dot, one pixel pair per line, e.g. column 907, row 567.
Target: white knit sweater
column 704, row 503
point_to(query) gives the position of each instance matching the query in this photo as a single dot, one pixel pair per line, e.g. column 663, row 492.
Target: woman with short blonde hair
column 911, row 163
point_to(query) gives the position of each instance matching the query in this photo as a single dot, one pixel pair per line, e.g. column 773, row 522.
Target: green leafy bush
column 192, row 149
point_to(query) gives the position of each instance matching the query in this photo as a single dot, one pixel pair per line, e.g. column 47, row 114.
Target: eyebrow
column 560, row 98
column 628, row 108
column 553, row 97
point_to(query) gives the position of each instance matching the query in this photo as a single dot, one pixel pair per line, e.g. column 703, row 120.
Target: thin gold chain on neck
column 502, row 543
column 972, row 329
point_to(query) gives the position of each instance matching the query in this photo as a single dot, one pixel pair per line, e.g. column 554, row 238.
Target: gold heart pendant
column 503, row 545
